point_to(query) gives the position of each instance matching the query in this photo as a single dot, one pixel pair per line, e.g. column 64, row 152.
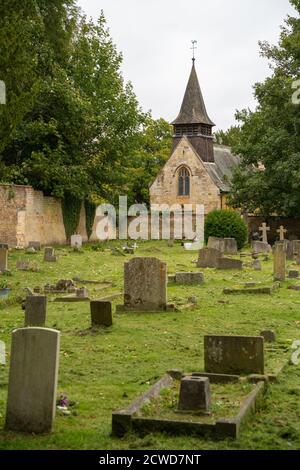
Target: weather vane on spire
column 194, row 47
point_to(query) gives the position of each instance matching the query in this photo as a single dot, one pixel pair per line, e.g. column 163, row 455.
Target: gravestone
column 194, row 394
column 49, row 255
column 35, row 310
column 279, row 262
column 228, row 263
column 260, row 247
column 264, row 229
column 234, row 354
column 282, row 231
column 216, row 243
column 32, row 387
column 256, row 265
column 189, row 278
column 3, row 257
column 23, row 265
column 36, row 245
column 76, row 241
column 2, row 354
column 82, row 293
column 101, row 313
column 296, row 244
column 145, row 285
column 289, row 250
column 231, row 247
column 208, row 258
column 293, row 274
column 269, row 336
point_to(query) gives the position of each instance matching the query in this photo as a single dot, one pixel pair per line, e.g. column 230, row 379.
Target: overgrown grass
column 106, row 370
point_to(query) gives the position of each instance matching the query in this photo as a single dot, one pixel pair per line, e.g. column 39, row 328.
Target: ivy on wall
column 71, row 208
column 90, row 214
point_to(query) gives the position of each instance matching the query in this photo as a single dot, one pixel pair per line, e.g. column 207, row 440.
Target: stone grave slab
column 229, row 263
column 208, row 258
column 3, row 257
column 216, row 243
column 35, row 310
column 189, row 278
column 101, row 313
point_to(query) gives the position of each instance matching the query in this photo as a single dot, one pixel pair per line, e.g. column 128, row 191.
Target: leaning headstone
column 189, row 278
column 145, row 285
column 216, row 243
column 76, row 241
column 35, row 245
column 49, row 255
column 35, row 310
column 228, row 263
column 230, row 245
column 194, row 394
column 293, row 274
column 279, row 262
column 2, row 354
column 269, row 336
column 32, row 387
column 261, row 247
column 101, row 313
column 3, row 257
column 234, row 354
column 208, row 258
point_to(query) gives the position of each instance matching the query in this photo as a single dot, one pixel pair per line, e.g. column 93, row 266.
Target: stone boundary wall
column 291, row 225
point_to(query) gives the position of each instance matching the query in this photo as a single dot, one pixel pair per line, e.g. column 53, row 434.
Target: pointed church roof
column 193, row 110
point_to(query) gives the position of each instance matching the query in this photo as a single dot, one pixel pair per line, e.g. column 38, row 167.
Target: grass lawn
column 105, row 370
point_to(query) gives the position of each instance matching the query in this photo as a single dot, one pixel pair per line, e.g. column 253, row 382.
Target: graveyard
column 106, row 366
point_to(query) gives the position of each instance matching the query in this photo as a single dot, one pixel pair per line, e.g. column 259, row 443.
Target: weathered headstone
column 3, row 257
column 35, row 245
column 82, row 293
column 194, row 394
column 231, row 247
column 289, row 250
column 32, row 387
column 264, row 229
column 35, row 310
column 260, row 247
column 228, row 263
column 296, row 244
column 145, row 285
column 49, row 255
column 282, row 231
column 216, row 243
column 234, row 354
column 269, row 336
column 256, row 265
column 2, row 354
column 189, row 278
column 279, row 262
column 208, row 258
column 293, row 274
column 76, row 241
column 101, row 313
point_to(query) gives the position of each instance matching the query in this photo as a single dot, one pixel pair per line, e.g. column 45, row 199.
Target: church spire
column 193, row 110
column 193, row 120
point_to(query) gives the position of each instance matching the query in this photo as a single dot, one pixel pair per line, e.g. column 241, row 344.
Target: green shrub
column 226, row 224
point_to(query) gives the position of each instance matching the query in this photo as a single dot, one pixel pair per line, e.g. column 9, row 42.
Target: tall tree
column 268, row 179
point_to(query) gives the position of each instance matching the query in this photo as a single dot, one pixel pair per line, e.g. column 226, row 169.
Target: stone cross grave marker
column 234, row 354
column 32, row 387
column 279, row 262
column 145, row 285
column 35, row 310
column 282, row 231
column 264, row 229
column 3, row 257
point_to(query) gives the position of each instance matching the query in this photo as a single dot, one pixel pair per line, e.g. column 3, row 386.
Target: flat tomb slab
column 234, row 354
column 249, row 290
column 156, row 411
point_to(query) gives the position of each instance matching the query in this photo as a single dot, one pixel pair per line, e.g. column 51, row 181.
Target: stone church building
column 198, row 170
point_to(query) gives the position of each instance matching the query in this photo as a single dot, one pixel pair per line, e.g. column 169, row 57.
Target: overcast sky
column 155, row 39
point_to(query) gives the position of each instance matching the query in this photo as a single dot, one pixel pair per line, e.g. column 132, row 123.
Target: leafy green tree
column 268, row 179
column 229, row 138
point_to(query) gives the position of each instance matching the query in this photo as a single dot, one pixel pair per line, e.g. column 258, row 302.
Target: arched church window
column 184, row 186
